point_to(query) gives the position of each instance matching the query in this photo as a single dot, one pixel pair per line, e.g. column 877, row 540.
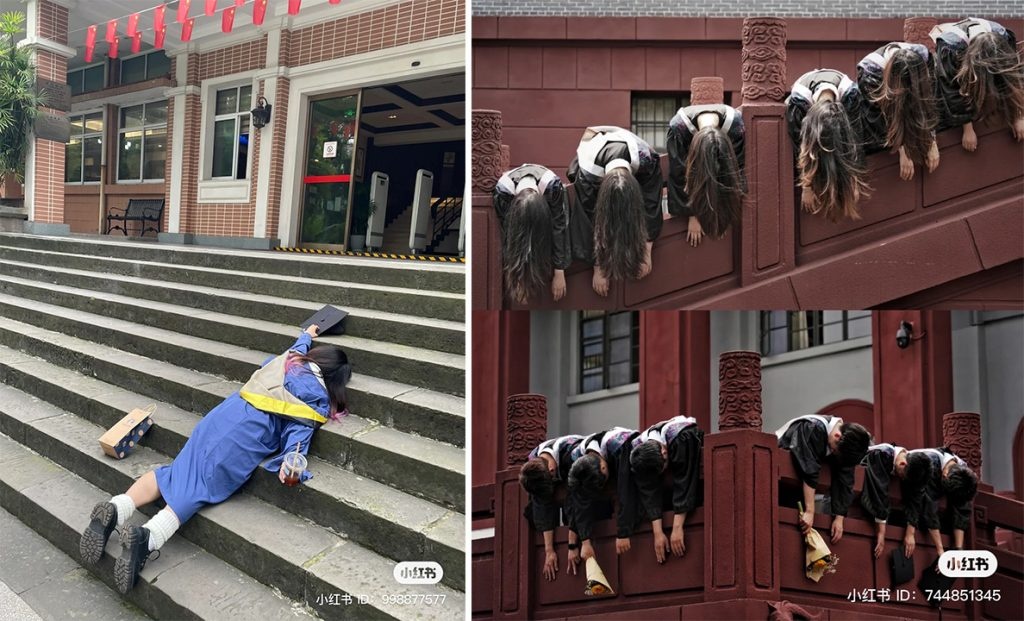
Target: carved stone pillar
column 490, row 160
column 486, row 150
column 526, row 426
column 764, row 59
column 916, row 29
column 961, row 432
column 705, row 91
column 739, row 391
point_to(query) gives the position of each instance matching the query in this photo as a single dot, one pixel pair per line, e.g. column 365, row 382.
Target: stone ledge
column 239, row 243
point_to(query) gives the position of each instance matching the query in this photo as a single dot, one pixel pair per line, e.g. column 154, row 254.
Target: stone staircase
column 91, row 328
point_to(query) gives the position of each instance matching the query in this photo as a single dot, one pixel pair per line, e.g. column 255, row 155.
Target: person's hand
column 586, row 550
column 939, row 552
column 676, row 541
column 647, row 265
column 280, row 474
column 550, row 565
column 806, row 520
column 807, row 199
column 661, row 545
column 970, row 139
column 313, row 330
column 621, row 545
column 909, row 543
column 600, row 283
column 932, row 159
column 837, row 528
column 558, row 285
column 879, row 546
column 906, row 166
column 573, row 564
column 1018, row 129
column 694, row 231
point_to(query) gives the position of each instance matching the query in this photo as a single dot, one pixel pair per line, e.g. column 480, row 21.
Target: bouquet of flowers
column 818, row 559
column 597, row 584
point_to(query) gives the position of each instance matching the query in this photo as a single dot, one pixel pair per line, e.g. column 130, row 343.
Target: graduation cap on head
column 329, row 319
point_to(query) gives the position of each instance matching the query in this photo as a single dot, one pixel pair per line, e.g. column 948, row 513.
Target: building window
column 87, row 79
column 652, row 114
column 144, row 67
column 142, row 142
column 83, row 153
column 785, row 331
column 231, row 133
column 609, row 349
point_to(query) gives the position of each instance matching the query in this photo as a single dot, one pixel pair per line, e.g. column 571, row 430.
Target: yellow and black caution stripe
column 375, row 255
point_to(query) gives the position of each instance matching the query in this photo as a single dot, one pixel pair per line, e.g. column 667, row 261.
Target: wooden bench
column 146, row 211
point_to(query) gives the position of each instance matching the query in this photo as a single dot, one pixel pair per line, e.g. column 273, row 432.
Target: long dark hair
column 907, row 103
column 620, row 230
column 714, row 183
column 992, row 77
column 526, row 249
column 336, row 372
column 830, row 162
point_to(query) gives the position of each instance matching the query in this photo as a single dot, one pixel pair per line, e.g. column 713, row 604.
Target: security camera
column 904, row 334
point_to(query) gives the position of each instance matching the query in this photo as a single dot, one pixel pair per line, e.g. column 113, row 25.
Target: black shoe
column 94, row 539
column 134, row 554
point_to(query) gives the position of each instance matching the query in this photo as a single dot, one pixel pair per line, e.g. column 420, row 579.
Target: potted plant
column 19, row 101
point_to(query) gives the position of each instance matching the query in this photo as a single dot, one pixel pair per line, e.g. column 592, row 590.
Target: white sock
column 161, row 527
column 125, row 508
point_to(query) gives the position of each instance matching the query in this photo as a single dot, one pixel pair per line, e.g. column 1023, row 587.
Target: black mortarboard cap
column 901, row 566
column 329, row 319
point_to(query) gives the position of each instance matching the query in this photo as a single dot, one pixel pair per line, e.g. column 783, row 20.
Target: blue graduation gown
column 229, row 443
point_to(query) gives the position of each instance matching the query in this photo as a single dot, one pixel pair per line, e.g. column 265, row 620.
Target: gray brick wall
column 724, row 8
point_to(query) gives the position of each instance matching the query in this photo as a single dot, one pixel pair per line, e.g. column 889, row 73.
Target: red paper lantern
column 183, row 7
column 227, row 19
column 259, row 10
column 112, row 52
column 90, row 42
column 211, row 7
column 133, row 24
column 158, row 38
column 136, row 42
column 158, row 18
column 186, row 29
column 293, row 6
column 111, row 31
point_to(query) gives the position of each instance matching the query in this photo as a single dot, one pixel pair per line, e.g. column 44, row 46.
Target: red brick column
column 487, row 166
column 675, row 373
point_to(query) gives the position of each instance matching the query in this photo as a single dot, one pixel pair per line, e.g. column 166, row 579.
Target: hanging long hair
column 907, row 103
column 527, row 263
column 714, row 183
column 830, row 162
column 992, row 77
column 336, row 372
column 620, row 229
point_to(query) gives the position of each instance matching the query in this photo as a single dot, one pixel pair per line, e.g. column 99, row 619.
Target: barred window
column 651, row 115
column 785, row 331
column 609, row 349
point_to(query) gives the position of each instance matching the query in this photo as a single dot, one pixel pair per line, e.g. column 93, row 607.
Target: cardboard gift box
column 120, row 440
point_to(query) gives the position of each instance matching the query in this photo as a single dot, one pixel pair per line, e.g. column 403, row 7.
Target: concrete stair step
column 51, row 584
column 435, row 309
column 432, row 414
column 274, row 545
column 427, row 275
column 184, row 582
column 414, row 464
column 426, row 368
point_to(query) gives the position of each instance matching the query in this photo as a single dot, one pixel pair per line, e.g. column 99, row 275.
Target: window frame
column 103, row 119
column 682, row 99
column 142, row 153
column 606, row 341
column 145, row 71
column 237, row 117
column 81, row 70
column 815, row 331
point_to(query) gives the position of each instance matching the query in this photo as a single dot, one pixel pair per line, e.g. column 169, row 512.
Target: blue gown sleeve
column 301, row 345
column 293, row 433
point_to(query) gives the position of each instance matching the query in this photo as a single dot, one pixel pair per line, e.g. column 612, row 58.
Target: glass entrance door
column 327, row 182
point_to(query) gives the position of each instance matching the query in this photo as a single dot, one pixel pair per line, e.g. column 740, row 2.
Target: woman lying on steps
column 279, row 408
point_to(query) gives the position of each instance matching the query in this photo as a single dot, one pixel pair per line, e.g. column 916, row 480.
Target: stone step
column 414, row 464
column 435, row 370
column 426, row 275
column 387, row 520
column 185, row 581
column 393, row 305
column 407, row 408
column 51, row 584
column 303, row 560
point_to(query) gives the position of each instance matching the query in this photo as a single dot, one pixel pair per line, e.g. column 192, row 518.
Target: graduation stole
column 265, row 391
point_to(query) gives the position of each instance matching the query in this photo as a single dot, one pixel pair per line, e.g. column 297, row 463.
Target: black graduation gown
column 869, row 78
column 807, row 442
column 954, row 109
column 544, row 511
column 557, row 200
column 926, row 513
column 587, row 182
column 684, row 457
column 801, row 99
column 878, row 472
column 626, row 514
column 681, row 130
